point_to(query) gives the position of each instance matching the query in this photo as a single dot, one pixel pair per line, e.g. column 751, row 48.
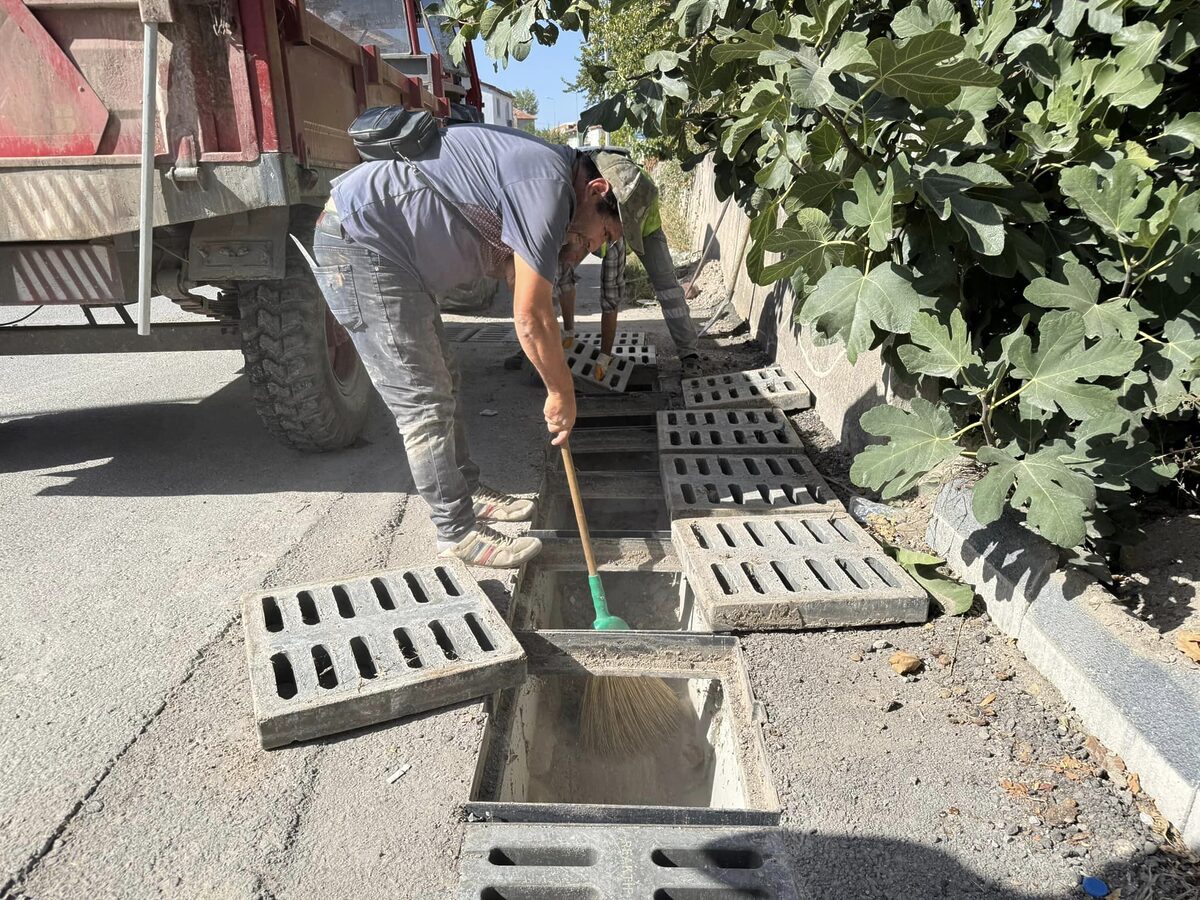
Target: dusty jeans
column 397, row 330
column 656, row 257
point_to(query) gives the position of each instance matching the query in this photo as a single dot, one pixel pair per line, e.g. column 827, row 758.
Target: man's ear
column 598, row 187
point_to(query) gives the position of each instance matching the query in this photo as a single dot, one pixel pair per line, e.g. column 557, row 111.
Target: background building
column 525, row 121
column 497, row 105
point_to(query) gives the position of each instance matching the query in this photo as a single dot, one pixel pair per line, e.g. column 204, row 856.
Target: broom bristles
column 627, row 715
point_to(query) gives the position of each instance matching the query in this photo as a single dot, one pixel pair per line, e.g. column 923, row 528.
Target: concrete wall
column 842, row 391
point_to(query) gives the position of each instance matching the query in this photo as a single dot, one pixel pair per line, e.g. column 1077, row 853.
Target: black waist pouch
column 393, row 132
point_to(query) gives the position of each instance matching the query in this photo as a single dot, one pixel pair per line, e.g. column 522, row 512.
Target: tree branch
column 840, row 126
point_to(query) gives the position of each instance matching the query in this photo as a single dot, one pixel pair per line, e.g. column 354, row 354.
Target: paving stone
column 630, row 862
column 772, row 386
column 782, row 572
column 582, row 360
column 734, row 484
column 726, row 430
column 335, row 655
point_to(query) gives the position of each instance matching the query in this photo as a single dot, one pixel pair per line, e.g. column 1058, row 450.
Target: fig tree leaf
column 872, row 211
column 1081, row 295
column 1054, row 497
column 919, row 438
column 938, row 350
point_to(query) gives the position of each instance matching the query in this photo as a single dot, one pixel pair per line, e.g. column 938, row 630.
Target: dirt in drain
column 648, row 601
column 551, row 765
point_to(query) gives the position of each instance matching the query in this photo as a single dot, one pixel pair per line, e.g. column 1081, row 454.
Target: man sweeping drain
column 398, row 233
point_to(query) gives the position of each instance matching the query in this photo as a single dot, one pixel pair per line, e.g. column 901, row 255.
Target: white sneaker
column 491, row 505
column 487, row 547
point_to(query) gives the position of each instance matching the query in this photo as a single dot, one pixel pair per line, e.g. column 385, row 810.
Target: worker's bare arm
column 537, row 330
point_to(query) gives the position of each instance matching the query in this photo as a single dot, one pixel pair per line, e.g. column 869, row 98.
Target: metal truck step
column 336, row 655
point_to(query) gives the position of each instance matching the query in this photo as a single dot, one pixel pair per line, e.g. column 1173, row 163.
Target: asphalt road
column 139, row 499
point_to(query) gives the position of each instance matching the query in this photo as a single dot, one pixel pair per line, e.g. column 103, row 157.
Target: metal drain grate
column 772, row 386
column 502, row 861
column 769, row 572
column 736, row 430
column 582, row 360
column 337, row 655
column 727, row 484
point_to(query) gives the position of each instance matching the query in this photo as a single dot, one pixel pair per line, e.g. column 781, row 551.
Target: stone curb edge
column 1139, row 709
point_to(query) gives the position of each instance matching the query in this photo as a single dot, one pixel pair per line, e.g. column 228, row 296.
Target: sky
column 542, row 71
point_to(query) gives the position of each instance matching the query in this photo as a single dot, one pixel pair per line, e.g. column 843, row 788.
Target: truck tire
column 308, row 384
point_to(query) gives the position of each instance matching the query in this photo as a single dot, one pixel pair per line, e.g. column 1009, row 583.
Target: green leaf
column 946, row 191
column 850, row 54
column 1054, row 375
column 849, row 303
column 920, row 71
column 872, row 211
column 919, row 439
column 1140, row 45
column 1055, row 498
column 1129, row 85
column 804, row 244
column 954, row 597
column 809, row 82
column 997, row 20
column 1081, row 294
column 816, row 189
column 1181, row 136
column 1114, row 200
column 828, row 16
column 937, row 350
column 750, row 45
column 919, row 18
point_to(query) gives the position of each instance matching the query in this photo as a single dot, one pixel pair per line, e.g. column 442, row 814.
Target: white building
column 497, row 106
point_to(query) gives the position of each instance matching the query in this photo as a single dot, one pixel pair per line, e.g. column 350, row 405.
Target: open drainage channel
column 555, row 820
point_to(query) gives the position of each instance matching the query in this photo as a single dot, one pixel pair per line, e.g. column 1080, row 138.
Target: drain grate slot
column 783, row 483
column 535, row 892
column 542, row 856
column 353, row 652
column 773, row 386
column 711, row 893
column 707, row 858
column 793, row 571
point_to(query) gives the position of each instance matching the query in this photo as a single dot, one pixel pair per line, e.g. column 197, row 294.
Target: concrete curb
column 1147, row 714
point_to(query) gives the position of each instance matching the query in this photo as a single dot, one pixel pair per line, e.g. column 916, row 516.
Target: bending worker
column 649, row 243
column 395, row 235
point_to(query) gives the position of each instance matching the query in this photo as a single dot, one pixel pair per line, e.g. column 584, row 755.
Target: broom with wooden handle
column 619, row 715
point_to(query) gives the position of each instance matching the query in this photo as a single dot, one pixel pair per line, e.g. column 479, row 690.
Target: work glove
column 603, row 362
column 568, row 339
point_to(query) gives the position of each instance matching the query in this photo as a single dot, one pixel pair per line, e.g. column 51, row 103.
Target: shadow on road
column 214, row 446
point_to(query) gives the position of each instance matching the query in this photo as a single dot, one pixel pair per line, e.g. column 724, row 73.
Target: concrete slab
column 629, row 862
column 765, row 572
column 1139, row 708
column 727, row 431
column 729, row 484
column 335, row 655
column 770, row 386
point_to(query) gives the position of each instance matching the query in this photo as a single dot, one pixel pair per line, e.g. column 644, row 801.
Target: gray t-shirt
column 517, row 189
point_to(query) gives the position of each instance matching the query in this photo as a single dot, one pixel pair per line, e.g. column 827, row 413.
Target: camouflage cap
column 635, row 194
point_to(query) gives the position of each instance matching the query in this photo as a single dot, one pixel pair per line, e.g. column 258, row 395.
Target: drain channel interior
column 561, row 599
column 605, row 515
column 544, row 761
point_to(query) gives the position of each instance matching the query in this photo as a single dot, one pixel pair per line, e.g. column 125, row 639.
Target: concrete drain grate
column 337, row 655
column 621, row 339
column 459, row 332
column 556, row 862
column 495, row 334
column 772, row 386
column 582, row 360
column 772, row 572
column 733, row 430
column 727, row 484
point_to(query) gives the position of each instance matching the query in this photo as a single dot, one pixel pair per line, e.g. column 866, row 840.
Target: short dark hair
column 591, row 172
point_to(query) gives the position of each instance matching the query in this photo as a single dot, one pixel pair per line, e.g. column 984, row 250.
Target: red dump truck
column 173, row 148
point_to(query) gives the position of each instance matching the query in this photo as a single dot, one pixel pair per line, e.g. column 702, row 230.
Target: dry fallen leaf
column 1134, row 783
column 988, row 700
column 905, row 663
column 1189, row 644
column 1014, row 788
column 1072, row 768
